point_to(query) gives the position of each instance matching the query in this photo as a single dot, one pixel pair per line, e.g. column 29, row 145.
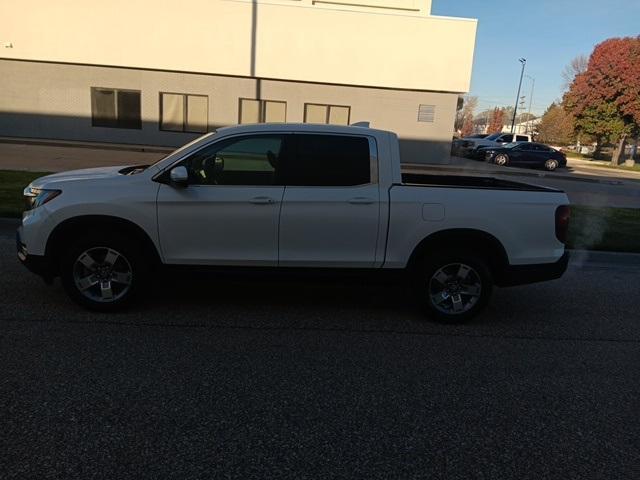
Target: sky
column 548, row 33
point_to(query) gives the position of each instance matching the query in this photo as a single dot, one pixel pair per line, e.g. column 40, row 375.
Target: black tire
column 449, row 262
column 502, row 159
column 551, row 164
column 129, row 265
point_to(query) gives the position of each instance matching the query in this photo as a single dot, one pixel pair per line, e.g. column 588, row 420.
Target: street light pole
column 533, row 85
column 523, row 61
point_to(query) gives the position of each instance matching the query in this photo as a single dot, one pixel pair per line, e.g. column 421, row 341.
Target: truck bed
column 464, row 181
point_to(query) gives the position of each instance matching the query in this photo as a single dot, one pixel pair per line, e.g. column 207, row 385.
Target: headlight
column 34, row 197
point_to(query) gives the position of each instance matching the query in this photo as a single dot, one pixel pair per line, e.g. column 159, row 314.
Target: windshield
column 180, row 149
column 511, row 145
column 493, row 137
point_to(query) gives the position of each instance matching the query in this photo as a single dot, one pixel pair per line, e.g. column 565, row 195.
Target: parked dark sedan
column 526, row 154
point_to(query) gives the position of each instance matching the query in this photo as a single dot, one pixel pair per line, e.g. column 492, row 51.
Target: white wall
column 304, row 40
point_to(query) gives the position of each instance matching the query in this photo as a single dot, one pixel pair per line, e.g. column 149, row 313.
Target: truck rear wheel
column 103, row 272
column 454, row 287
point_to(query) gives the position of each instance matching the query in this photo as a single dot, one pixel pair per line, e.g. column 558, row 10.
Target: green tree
column 556, row 126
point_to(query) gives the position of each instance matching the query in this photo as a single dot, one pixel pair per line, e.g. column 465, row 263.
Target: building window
column 181, row 112
column 334, row 114
column 427, row 113
column 115, row 108
column 262, row 111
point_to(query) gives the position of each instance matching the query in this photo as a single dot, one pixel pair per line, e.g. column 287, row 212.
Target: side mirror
column 179, row 176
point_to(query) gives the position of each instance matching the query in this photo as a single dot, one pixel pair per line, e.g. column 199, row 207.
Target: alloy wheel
column 501, row 160
column 102, row 274
column 455, row 288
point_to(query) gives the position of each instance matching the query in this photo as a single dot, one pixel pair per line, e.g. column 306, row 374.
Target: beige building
column 162, row 72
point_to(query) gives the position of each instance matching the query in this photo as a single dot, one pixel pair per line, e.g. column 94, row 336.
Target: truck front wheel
column 454, row 287
column 102, row 271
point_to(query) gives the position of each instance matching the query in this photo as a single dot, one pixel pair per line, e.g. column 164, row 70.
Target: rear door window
column 521, row 138
column 327, row 160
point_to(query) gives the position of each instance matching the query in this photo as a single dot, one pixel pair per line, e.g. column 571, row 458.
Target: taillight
column 563, row 213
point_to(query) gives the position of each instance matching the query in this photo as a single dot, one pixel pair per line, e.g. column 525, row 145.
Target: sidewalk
column 592, row 166
column 93, row 145
column 56, row 156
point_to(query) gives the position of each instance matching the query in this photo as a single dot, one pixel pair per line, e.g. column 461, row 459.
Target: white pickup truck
column 292, row 197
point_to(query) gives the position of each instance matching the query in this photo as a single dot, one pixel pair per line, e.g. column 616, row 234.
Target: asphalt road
column 274, row 379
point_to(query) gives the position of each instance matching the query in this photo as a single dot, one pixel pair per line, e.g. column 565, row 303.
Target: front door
column 228, row 214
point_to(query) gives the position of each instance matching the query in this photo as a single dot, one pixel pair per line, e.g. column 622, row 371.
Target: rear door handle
column 262, row 200
column 361, row 201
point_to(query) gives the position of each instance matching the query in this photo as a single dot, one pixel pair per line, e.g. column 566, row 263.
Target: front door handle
column 262, row 200
column 361, row 201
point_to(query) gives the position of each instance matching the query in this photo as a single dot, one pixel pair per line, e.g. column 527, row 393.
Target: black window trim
column 374, row 178
column 116, row 90
column 184, row 114
column 263, row 103
column 328, row 105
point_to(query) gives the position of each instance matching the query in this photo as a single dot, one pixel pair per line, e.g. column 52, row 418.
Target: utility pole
column 523, row 102
column 523, row 61
column 533, row 84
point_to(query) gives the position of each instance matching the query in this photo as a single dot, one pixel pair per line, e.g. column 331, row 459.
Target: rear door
column 521, row 154
column 331, row 205
column 536, row 154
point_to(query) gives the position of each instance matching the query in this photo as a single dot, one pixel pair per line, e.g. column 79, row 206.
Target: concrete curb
column 461, row 170
column 76, row 144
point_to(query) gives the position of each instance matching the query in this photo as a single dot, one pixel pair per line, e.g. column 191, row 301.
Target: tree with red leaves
column 605, row 99
column 465, row 117
column 496, row 120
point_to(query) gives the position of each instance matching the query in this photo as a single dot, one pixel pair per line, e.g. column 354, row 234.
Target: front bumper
column 524, row 274
column 37, row 264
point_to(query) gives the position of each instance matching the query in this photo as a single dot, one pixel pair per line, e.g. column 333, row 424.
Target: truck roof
column 299, row 127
